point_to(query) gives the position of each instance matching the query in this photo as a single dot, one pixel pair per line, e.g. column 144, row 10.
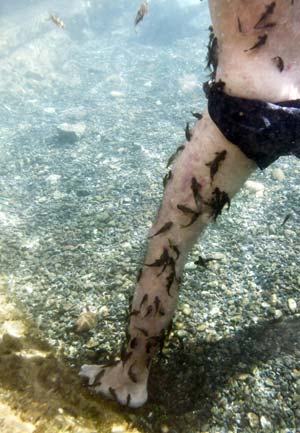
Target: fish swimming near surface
column 57, row 21
column 143, row 10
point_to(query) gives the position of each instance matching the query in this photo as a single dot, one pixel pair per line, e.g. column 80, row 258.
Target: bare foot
column 118, row 383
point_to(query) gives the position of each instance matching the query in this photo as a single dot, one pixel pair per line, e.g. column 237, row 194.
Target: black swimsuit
column 263, row 131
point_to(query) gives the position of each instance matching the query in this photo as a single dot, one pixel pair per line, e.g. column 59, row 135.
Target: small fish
column 261, row 41
column 239, row 25
column 220, row 198
column 212, row 53
column 156, row 304
column 197, row 115
column 98, row 377
column 193, row 219
column 173, row 157
column 125, row 356
column 188, row 134
column 269, row 9
column 174, row 248
column 131, row 374
column 128, row 399
column 149, row 311
column 134, row 313
column 286, row 218
column 148, row 346
column 133, row 343
column 148, row 362
column 185, row 209
column 170, row 280
column 203, row 262
column 214, row 165
column 143, row 10
column 162, row 259
column 57, row 21
column 145, row 299
column 188, row 211
column 164, row 229
column 143, row 331
column 113, row 393
column 167, row 177
column 267, row 26
column 278, row 62
column 196, row 187
column 139, row 275
column 169, row 262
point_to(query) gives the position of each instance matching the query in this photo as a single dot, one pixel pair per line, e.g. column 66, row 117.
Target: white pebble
column 278, row 174
column 104, row 311
column 253, row 419
column 116, row 94
column 277, row 314
column 292, row 305
column 255, row 187
column 186, row 310
column 215, row 311
column 265, row 423
column 190, row 266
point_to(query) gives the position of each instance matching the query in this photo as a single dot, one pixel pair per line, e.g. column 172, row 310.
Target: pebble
column 70, row 133
column 86, row 321
column 104, row 311
column 92, row 343
column 164, row 429
column 186, row 310
column 277, row 314
column 190, row 266
column 265, row 423
column 215, row 311
column 292, row 305
column 116, row 94
column 273, row 299
column 253, row 419
column 278, row 174
column 254, row 187
column 102, row 217
column 290, row 233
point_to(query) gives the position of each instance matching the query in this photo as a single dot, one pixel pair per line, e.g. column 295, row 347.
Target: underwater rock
column 255, row 187
column 104, row 311
column 116, row 94
column 190, row 266
column 292, row 305
column 278, row 314
column 86, row 321
column 70, row 133
column 253, row 419
column 278, row 174
column 265, row 423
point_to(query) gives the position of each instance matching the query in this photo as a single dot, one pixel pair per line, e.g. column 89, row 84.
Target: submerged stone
column 70, row 133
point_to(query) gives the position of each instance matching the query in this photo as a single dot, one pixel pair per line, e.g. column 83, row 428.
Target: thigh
column 258, row 47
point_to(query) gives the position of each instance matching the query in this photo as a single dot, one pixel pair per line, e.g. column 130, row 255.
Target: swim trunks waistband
column 263, row 131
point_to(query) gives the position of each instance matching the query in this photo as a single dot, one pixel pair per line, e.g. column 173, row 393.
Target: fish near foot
column 115, row 383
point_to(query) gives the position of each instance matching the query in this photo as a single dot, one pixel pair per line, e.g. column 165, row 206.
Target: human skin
column 250, row 73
